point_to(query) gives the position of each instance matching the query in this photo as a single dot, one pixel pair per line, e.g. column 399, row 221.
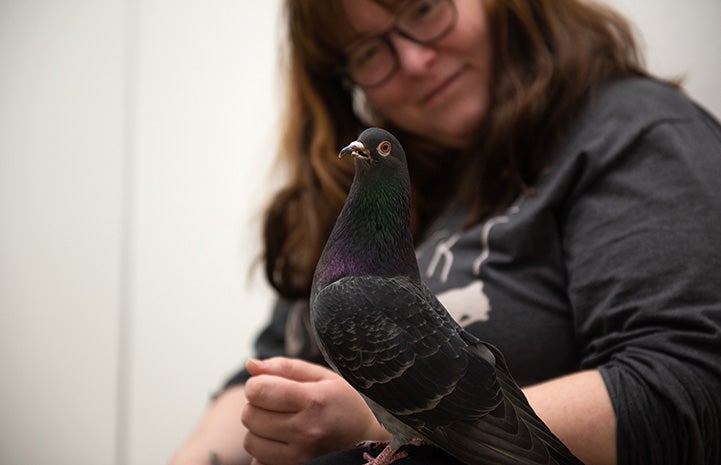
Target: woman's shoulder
column 657, row 94
column 635, row 103
column 627, row 123
column 620, row 112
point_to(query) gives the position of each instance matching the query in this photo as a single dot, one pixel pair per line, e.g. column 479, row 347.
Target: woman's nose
column 414, row 58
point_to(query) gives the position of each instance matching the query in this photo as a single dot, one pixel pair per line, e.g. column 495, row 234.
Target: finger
column 275, row 393
column 262, row 449
column 272, row 452
column 269, row 425
column 291, row 368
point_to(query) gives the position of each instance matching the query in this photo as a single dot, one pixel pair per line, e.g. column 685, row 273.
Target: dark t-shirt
column 613, row 262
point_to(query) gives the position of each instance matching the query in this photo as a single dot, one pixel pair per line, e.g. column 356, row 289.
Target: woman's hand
column 298, row 410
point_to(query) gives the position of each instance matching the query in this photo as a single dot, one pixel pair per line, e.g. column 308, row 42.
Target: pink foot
column 386, row 457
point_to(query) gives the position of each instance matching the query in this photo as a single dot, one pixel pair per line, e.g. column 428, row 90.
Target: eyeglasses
column 373, row 60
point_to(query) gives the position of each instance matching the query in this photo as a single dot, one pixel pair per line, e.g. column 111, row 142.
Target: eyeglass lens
column 372, row 61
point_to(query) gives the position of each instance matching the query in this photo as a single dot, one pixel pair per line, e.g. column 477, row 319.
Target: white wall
column 61, row 167
column 203, row 126
column 135, row 143
column 681, row 39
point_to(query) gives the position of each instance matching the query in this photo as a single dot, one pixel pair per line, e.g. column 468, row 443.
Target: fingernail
column 254, row 361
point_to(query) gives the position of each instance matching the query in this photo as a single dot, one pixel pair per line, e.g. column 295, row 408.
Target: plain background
column 136, row 147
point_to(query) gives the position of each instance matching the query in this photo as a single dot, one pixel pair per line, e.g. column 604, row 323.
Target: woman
column 564, row 209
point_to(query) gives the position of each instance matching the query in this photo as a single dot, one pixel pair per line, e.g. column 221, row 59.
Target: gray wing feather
column 393, row 341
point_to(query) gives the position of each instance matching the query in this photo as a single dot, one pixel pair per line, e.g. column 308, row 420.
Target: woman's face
column 440, row 90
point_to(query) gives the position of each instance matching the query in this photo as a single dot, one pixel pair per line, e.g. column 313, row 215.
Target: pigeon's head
column 376, row 146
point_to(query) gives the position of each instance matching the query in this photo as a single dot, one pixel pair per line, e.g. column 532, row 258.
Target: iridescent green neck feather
column 372, row 235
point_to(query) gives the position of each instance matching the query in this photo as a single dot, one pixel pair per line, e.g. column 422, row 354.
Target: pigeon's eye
column 384, row 148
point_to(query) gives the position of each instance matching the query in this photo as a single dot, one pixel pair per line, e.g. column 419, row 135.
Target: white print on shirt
column 466, row 304
column 485, row 234
column 443, row 250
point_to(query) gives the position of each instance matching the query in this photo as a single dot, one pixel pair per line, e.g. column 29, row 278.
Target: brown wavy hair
column 548, row 56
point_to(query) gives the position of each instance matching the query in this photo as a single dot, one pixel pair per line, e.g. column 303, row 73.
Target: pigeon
column 426, row 379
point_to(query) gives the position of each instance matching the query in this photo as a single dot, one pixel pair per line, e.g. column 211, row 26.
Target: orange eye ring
column 384, row 148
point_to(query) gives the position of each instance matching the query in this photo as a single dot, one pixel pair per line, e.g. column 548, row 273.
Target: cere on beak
column 357, row 149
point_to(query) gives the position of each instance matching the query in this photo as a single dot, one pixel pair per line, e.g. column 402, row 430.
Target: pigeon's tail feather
column 501, row 438
column 556, row 448
column 504, row 438
column 511, row 434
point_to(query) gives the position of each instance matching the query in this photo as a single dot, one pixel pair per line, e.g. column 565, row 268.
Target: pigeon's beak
column 357, row 149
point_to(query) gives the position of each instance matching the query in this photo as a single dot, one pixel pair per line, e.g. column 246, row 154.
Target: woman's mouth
column 441, row 87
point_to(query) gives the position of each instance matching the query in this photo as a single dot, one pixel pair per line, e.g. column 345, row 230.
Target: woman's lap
column 417, row 455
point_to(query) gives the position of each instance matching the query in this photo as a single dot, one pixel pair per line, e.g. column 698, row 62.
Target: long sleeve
column 642, row 242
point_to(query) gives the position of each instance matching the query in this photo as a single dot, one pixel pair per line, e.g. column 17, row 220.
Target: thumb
column 290, row 368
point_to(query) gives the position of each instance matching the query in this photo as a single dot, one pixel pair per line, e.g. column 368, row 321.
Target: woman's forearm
column 218, row 438
column 578, row 409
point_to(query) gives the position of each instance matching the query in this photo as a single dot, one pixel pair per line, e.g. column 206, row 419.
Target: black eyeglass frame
column 384, row 37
